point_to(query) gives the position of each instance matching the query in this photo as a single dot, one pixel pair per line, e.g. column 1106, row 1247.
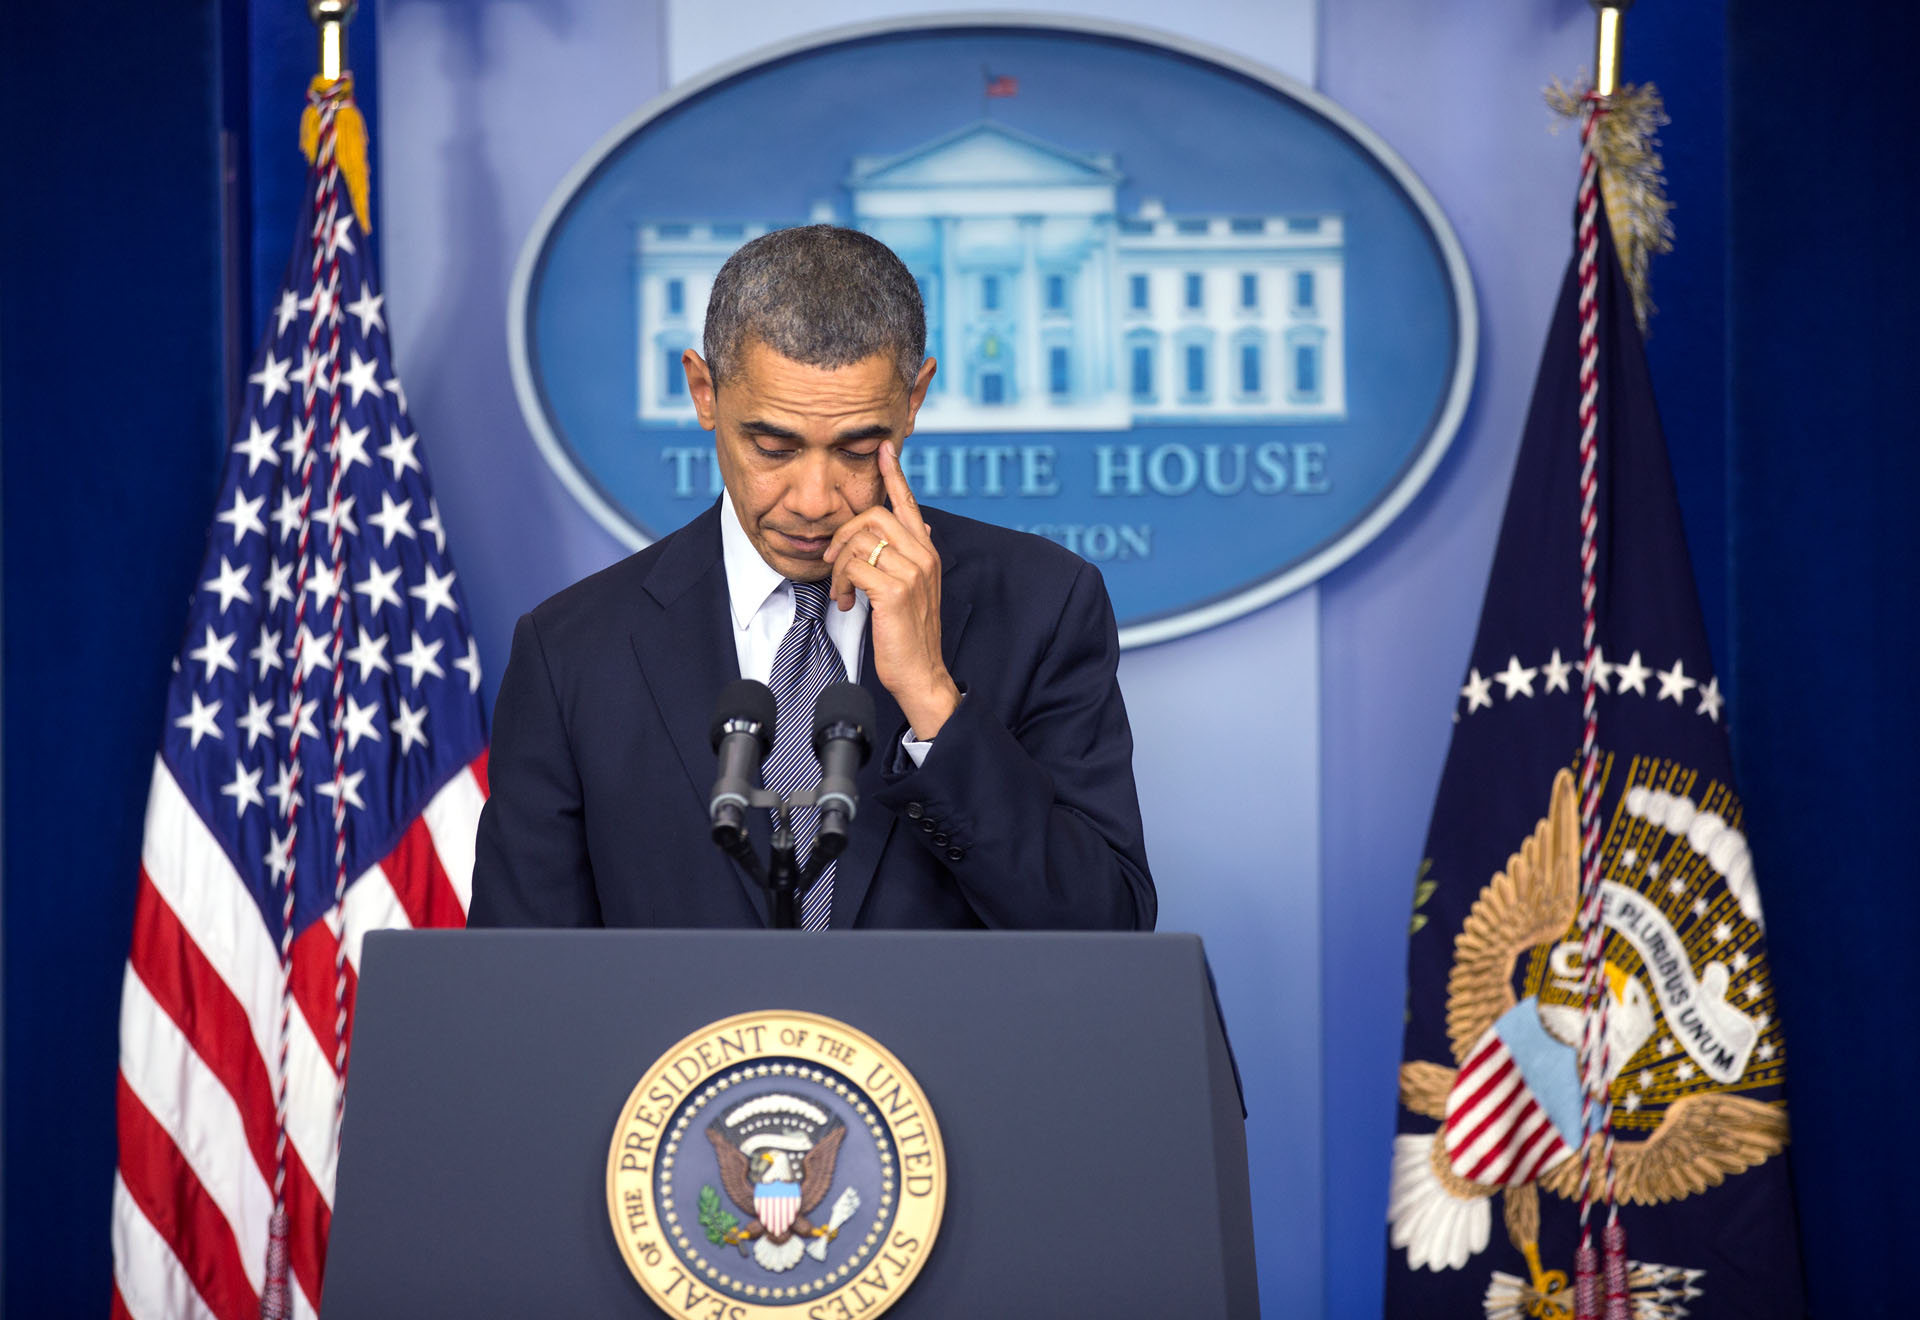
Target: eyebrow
column 773, row 431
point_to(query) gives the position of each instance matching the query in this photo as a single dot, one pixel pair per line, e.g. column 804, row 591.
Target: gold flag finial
column 350, row 127
column 332, row 17
column 1606, row 44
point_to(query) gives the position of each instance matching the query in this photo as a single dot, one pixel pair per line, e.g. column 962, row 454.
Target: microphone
column 742, row 734
column 842, row 721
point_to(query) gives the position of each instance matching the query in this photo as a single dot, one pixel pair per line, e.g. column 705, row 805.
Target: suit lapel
column 873, row 825
column 686, row 654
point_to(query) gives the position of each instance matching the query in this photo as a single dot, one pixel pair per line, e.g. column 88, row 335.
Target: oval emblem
column 775, row 1164
column 1194, row 321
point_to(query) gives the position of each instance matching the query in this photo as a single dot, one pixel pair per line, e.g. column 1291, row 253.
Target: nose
column 812, row 495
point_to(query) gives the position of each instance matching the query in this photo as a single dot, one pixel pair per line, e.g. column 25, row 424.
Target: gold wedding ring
column 873, row 560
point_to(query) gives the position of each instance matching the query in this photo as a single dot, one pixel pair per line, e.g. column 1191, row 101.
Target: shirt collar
column 750, row 579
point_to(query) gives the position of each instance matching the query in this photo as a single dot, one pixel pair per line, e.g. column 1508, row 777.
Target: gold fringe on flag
column 1627, row 145
column 350, row 144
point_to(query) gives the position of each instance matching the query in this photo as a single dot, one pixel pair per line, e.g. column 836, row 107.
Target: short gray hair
column 819, row 295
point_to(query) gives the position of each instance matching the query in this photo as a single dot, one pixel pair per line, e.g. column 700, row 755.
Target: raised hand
column 889, row 554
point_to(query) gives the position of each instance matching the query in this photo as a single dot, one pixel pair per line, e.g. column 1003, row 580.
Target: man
column 1000, row 792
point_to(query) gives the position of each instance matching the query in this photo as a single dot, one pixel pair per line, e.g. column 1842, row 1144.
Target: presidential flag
column 1594, row 1029
column 320, row 775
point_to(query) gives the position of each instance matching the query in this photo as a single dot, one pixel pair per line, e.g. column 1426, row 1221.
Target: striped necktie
column 806, row 662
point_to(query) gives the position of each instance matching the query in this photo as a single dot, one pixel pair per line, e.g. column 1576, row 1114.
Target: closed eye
column 769, row 440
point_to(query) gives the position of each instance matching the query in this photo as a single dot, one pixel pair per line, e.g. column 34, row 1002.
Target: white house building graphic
column 1048, row 309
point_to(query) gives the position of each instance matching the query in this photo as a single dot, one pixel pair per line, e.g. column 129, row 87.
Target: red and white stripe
column 1495, row 1131
column 199, row 1029
column 777, row 1213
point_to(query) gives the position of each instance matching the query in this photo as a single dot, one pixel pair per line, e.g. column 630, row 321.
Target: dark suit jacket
column 1024, row 815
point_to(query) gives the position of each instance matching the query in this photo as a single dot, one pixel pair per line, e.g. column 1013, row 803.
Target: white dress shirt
column 761, row 605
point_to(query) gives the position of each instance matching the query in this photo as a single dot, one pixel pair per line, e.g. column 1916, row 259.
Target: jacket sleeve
column 530, row 864
column 1036, row 816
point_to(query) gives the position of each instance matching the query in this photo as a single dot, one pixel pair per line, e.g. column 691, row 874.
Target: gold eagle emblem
column 1509, row 1107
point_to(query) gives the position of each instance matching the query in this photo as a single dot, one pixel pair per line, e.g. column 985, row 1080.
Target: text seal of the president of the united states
column 776, row 1164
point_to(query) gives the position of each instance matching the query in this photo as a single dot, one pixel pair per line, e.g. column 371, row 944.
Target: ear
column 918, row 394
column 700, row 387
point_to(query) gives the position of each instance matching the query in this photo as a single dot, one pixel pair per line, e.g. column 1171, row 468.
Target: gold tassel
column 1626, row 144
column 349, row 146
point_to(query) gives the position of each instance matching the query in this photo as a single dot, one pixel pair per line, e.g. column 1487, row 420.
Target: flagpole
column 332, row 17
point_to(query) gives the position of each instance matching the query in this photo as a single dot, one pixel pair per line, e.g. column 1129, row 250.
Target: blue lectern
column 1094, row 1137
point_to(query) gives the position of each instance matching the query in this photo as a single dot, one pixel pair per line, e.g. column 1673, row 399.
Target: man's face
column 799, row 447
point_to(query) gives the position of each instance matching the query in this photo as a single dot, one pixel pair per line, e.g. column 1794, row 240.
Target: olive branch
column 1422, row 891
column 714, row 1217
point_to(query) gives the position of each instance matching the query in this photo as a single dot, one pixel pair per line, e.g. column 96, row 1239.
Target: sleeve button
column 915, row 811
column 955, row 854
column 926, row 827
column 940, row 840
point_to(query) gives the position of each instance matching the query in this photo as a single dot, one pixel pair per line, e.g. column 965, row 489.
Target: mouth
column 800, row 547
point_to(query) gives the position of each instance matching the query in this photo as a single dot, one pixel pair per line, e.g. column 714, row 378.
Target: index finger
column 899, row 494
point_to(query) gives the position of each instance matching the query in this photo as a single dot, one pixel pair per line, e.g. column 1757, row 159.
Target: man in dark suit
column 1000, row 793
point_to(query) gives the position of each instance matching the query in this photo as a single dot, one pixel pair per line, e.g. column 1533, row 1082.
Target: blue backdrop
column 1822, row 618
column 1779, row 357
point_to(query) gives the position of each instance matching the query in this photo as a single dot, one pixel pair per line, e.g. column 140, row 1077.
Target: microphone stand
column 784, row 879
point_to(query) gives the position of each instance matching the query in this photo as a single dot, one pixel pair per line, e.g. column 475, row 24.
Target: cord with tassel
column 350, row 142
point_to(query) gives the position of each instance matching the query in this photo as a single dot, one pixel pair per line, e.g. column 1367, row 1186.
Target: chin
column 791, row 565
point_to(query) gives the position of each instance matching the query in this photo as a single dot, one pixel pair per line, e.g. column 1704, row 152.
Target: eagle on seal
column 777, row 1166
column 1510, row 1107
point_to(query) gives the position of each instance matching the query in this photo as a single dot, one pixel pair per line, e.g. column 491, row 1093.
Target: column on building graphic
column 1232, row 318
column 1009, row 238
column 675, row 266
column 1047, row 308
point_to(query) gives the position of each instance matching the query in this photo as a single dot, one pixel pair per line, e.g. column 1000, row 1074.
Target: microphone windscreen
column 844, row 703
column 743, row 700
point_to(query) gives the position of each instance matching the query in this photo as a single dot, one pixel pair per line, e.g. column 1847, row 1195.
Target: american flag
column 320, row 774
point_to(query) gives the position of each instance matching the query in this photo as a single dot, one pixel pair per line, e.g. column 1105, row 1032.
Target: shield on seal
column 1514, row 1109
column 776, row 1203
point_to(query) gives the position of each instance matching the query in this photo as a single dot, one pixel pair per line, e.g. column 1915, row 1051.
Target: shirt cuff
column 913, row 746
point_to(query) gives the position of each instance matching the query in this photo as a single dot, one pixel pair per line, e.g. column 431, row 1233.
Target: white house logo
column 1048, row 306
column 1193, row 321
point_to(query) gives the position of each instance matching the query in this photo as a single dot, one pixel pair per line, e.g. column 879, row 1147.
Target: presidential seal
column 776, row 1164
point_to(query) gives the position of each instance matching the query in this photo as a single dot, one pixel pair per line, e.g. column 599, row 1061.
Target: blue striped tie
column 806, row 662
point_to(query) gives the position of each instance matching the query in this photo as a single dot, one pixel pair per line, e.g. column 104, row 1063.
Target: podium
column 1095, row 1151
